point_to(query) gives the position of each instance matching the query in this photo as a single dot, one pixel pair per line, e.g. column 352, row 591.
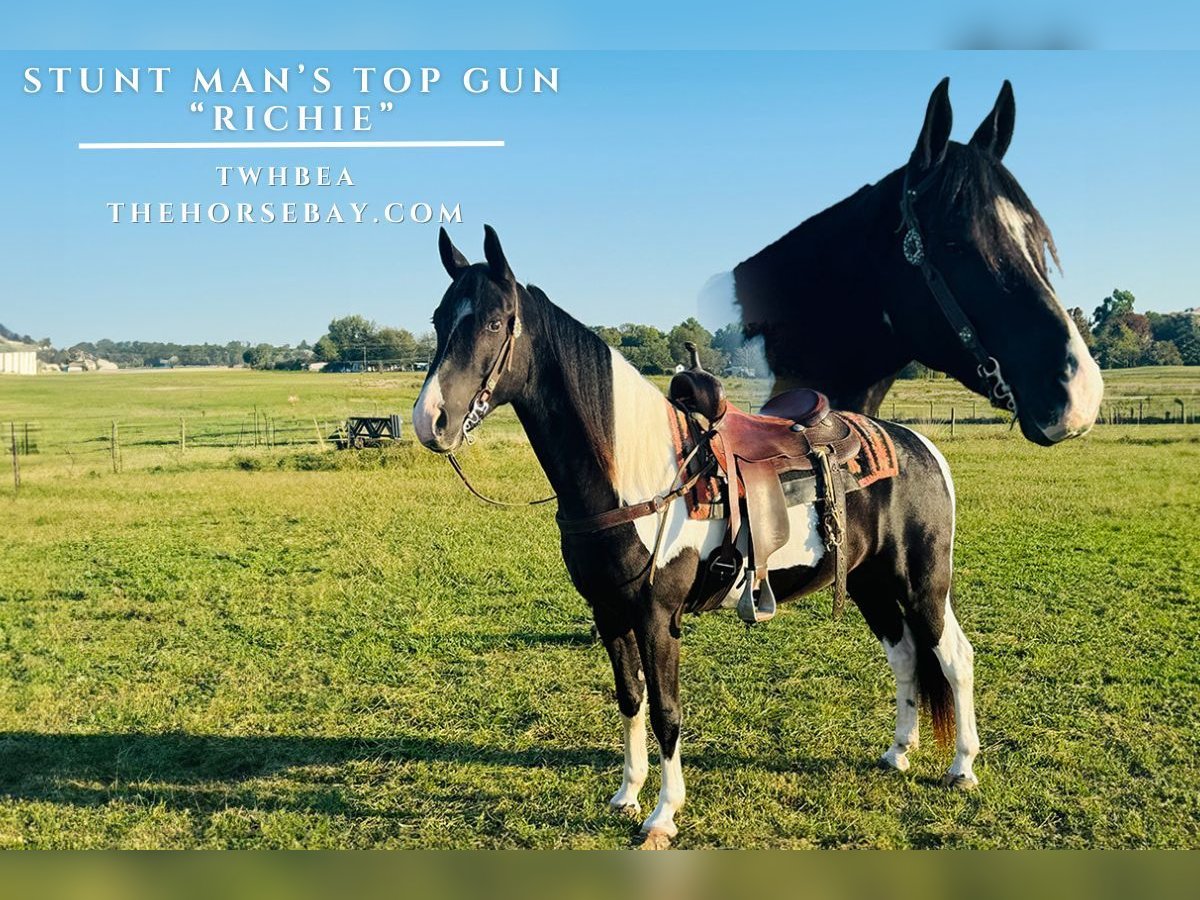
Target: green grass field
column 291, row 646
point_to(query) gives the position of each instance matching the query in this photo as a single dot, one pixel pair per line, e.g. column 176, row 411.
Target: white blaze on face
column 1017, row 223
column 428, row 407
column 1082, row 379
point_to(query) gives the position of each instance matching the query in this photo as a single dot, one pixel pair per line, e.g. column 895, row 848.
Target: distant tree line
column 656, row 352
column 1117, row 336
column 1120, row 338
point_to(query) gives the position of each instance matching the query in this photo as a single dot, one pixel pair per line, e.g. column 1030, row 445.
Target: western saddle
column 795, row 432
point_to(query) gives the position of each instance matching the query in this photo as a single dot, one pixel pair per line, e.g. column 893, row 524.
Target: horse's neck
column 624, row 454
column 830, row 328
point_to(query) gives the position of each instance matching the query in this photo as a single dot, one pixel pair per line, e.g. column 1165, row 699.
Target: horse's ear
column 454, row 261
column 935, row 133
column 995, row 133
column 494, row 254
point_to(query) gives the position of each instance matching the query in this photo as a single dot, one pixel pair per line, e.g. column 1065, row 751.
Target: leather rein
column 987, row 366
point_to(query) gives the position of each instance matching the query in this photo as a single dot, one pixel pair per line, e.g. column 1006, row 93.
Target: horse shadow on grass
column 207, row 773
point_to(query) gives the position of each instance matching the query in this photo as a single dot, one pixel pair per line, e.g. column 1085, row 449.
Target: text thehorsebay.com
column 241, row 109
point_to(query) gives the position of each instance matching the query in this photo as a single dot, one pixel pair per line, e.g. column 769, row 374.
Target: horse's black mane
column 586, row 365
column 972, row 181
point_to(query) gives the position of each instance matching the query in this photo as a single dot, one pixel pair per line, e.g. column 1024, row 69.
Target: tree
column 691, row 330
column 646, row 348
column 1182, row 330
column 608, row 334
column 729, row 338
column 327, row 350
column 427, row 346
column 1117, row 303
column 1164, row 353
column 352, row 334
column 1119, row 347
column 260, row 357
column 393, row 344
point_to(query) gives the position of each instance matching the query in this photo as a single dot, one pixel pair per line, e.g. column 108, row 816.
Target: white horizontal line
column 284, row 145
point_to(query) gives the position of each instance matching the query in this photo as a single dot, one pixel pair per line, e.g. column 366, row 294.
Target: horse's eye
column 494, row 326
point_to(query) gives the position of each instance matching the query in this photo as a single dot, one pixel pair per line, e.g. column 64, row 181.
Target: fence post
column 952, row 418
column 26, row 438
column 930, row 412
column 182, row 435
column 16, row 461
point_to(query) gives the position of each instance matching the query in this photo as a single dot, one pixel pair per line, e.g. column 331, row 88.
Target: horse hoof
column 626, row 810
column 894, row 762
column 654, row 839
column 964, row 782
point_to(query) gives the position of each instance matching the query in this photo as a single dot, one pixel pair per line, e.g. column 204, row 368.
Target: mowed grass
column 297, row 647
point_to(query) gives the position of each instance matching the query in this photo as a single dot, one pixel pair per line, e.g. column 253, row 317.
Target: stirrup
column 752, row 612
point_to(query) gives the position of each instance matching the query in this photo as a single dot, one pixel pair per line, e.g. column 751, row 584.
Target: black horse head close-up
column 477, row 323
column 943, row 261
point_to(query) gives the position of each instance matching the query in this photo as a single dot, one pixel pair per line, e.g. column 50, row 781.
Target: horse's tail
column 934, row 690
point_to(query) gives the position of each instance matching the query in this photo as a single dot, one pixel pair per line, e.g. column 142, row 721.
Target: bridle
column 481, row 405
column 481, row 402
column 987, row 366
column 657, row 505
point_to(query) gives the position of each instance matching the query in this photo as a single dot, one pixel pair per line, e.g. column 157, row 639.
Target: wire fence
column 92, row 439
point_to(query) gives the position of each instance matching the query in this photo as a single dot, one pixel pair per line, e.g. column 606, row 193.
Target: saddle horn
column 698, row 391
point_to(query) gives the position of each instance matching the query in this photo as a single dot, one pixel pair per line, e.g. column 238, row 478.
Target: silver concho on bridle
column 914, row 247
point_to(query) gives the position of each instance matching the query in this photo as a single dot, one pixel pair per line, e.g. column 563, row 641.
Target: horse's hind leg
column 957, row 659
column 875, row 587
column 902, row 657
column 622, row 650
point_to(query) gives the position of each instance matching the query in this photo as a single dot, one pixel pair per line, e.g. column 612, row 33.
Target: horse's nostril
column 442, row 420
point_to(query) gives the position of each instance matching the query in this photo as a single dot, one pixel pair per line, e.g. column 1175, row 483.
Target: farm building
column 17, row 359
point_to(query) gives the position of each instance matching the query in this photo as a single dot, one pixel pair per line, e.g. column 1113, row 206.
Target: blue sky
column 648, row 172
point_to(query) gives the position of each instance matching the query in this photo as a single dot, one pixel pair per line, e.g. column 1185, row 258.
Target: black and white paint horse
column 842, row 304
column 601, row 433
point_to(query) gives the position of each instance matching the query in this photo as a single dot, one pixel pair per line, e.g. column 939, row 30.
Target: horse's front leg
column 658, row 641
column 622, row 649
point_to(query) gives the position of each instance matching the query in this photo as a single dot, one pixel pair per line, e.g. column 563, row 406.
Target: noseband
column 987, row 366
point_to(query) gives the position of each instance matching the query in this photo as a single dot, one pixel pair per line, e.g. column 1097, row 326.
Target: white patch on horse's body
column 646, row 465
column 637, row 762
column 902, row 657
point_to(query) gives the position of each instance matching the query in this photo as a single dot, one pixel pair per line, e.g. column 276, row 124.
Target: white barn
column 17, row 359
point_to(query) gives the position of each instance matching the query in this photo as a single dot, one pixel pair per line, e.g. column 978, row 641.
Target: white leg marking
column 637, row 762
column 902, row 657
column 670, row 797
column 957, row 659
